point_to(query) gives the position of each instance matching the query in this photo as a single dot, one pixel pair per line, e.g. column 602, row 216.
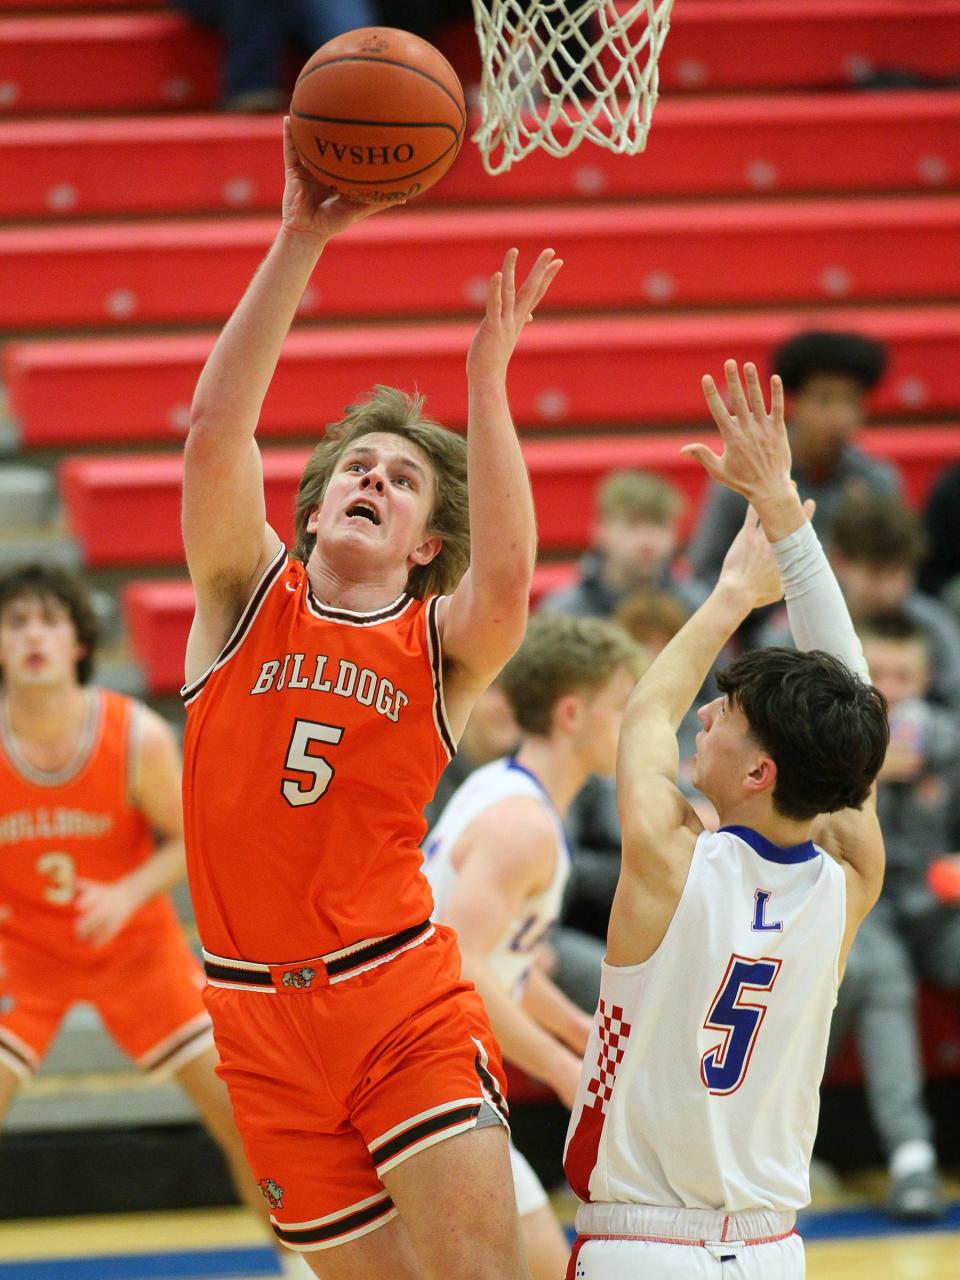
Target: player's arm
column 756, row 462
column 104, row 908
column 485, row 618
column 547, row 1004
column 228, row 542
column 505, row 857
column 659, row 825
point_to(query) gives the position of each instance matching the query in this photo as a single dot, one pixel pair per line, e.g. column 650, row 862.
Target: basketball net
column 556, row 72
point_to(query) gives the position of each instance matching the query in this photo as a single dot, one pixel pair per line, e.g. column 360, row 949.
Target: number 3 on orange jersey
column 61, row 871
column 300, row 760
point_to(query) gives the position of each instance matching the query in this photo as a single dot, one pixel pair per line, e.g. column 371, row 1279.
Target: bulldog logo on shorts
column 299, row 977
column 272, row 1192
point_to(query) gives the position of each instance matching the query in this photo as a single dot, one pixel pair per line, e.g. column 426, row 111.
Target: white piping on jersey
column 253, row 606
column 354, row 617
column 89, row 737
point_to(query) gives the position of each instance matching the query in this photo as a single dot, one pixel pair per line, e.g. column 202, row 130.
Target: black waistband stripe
column 424, row 1129
column 363, row 955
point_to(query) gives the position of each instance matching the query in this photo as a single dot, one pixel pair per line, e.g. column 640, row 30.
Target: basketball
column 378, row 114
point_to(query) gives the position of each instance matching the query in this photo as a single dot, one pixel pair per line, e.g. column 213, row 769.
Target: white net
column 556, row 72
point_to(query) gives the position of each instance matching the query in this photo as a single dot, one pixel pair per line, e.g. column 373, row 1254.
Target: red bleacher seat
column 769, row 44
column 124, row 510
column 110, row 62
column 158, row 613
column 155, row 60
column 632, row 370
column 438, row 261
column 704, row 146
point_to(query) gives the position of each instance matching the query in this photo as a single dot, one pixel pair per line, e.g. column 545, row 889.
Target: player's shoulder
column 515, row 829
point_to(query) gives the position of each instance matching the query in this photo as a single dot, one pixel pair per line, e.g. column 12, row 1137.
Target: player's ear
column 763, row 775
column 428, row 550
column 566, row 713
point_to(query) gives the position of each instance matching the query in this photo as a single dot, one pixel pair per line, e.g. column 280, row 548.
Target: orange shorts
column 146, row 985
column 334, row 1083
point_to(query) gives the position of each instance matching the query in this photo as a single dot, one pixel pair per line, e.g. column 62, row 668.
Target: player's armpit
column 854, row 839
column 479, row 635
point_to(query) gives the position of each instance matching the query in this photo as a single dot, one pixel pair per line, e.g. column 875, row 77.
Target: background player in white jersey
column 497, row 862
column 691, row 1135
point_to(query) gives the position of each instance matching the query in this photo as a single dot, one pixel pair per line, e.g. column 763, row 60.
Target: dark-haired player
column 827, row 376
column 690, row 1140
column 88, row 779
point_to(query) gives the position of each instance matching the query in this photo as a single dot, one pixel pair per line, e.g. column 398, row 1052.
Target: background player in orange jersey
column 86, row 777
column 326, row 690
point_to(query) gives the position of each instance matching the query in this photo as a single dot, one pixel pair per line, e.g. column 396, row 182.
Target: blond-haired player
column 326, row 689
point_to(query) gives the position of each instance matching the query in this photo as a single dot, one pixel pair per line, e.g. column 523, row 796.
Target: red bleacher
column 158, row 60
column 566, row 373
column 812, row 44
column 124, row 510
column 615, row 258
column 702, row 147
column 105, row 62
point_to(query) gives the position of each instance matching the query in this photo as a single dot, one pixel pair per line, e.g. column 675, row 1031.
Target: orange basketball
column 378, row 114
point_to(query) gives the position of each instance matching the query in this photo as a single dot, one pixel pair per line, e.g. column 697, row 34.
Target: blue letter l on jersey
column 760, row 925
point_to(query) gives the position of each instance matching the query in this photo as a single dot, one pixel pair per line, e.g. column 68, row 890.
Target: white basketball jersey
column 512, row 958
column 701, row 1079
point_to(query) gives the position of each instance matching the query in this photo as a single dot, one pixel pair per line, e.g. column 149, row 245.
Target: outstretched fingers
column 495, row 297
column 715, row 403
column 754, row 392
column 537, row 283
column 735, row 387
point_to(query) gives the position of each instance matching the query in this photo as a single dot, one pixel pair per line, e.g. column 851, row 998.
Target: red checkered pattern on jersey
column 613, row 1042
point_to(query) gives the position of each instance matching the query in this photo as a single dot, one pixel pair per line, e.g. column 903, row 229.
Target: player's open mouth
column 364, row 510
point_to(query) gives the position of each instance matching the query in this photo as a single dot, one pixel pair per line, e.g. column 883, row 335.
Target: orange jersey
column 312, row 745
column 78, row 823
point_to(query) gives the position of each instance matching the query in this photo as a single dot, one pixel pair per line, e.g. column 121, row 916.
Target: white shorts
column 677, row 1244
column 528, row 1187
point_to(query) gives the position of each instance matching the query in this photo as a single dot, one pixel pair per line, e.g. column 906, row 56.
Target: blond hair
column 562, row 654
column 638, row 495
column 390, row 410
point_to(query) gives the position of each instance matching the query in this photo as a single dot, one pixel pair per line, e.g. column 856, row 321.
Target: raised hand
column 749, row 567
column 311, row 208
column 508, row 310
column 756, row 453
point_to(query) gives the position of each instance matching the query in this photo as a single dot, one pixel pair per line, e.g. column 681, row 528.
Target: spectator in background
column 875, row 546
column 909, row 931
column 828, row 376
column 257, row 35
column 940, row 571
column 634, row 546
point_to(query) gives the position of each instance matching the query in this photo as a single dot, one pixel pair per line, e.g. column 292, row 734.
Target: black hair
column 819, row 351
column 46, row 582
column 824, row 727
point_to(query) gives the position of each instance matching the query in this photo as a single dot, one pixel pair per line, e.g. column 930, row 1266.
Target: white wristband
column 818, row 613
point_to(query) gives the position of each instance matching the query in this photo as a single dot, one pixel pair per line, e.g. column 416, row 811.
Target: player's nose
column 371, row 479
